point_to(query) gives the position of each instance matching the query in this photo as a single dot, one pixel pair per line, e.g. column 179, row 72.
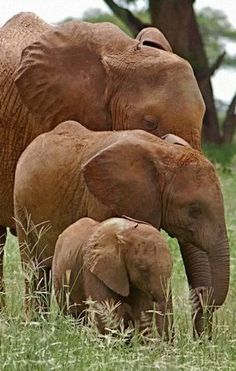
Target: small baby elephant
column 117, row 260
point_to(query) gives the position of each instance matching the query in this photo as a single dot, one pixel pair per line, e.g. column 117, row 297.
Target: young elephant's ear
column 124, row 177
column 106, row 263
column 174, row 139
column 56, row 71
column 153, row 37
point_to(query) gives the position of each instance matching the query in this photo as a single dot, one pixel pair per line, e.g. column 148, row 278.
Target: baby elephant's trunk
column 165, row 320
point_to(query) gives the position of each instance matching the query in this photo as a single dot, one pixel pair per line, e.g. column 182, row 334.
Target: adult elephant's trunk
column 208, row 278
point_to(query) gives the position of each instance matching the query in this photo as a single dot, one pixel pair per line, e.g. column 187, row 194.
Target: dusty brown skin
column 71, row 172
column 117, row 260
column 75, row 71
column 153, row 37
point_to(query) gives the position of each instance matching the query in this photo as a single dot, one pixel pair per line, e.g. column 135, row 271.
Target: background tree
column 199, row 38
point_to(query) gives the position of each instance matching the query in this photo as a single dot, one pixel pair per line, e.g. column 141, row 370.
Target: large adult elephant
column 72, row 172
column 92, row 73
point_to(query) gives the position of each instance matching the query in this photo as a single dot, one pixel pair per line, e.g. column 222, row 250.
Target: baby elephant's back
column 67, row 266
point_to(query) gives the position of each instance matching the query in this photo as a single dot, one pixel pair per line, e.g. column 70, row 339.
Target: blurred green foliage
column 224, row 156
column 96, row 15
column 216, row 30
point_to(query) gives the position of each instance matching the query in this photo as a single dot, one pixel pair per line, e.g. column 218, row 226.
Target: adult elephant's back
column 17, row 125
column 18, row 33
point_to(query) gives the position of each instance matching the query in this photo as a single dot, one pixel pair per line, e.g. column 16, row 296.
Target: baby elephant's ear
column 107, row 264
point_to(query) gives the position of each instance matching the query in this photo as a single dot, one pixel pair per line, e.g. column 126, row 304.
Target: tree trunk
column 229, row 124
column 177, row 20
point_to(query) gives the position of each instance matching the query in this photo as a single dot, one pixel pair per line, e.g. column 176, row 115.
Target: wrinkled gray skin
column 72, row 172
column 118, row 260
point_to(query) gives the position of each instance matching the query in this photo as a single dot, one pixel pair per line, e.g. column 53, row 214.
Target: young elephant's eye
column 150, row 123
column 195, row 211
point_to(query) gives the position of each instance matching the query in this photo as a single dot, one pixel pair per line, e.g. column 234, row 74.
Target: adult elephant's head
column 99, row 76
column 173, row 187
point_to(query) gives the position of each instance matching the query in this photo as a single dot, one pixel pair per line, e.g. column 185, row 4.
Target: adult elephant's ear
column 56, row 71
column 125, row 178
column 153, row 37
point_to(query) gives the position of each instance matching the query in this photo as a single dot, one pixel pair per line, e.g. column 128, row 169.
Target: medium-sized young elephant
column 72, row 172
column 117, row 260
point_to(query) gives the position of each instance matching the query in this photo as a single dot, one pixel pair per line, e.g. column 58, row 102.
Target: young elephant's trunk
column 220, row 272
column 165, row 320
column 164, row 317
column 208, row 277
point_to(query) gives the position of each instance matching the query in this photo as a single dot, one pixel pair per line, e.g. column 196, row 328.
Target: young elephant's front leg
column 111, row 315
column 107, row 308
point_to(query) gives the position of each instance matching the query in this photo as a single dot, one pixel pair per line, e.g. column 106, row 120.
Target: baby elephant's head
column 125, row 253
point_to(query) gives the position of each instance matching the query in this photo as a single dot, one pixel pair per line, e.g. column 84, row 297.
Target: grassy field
column 60, row 344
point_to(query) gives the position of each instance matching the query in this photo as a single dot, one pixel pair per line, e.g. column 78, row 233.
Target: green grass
column 60, row 344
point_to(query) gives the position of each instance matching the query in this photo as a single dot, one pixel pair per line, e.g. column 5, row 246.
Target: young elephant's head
column 172, row 187
column 124, row 253
column 127, row 255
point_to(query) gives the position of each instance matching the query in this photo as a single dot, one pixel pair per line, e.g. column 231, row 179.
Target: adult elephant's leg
column 3, row 235
column 43, row 289
column 26, row 246
column 37, row 284
column 200, row 283
column 13, row 231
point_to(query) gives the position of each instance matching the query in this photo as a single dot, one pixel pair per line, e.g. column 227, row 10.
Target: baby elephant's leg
column 153, row 318
column 112, row 315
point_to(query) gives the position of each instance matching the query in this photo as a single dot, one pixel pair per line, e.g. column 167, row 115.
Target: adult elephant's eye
column 195, row 211
column 150, row 123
